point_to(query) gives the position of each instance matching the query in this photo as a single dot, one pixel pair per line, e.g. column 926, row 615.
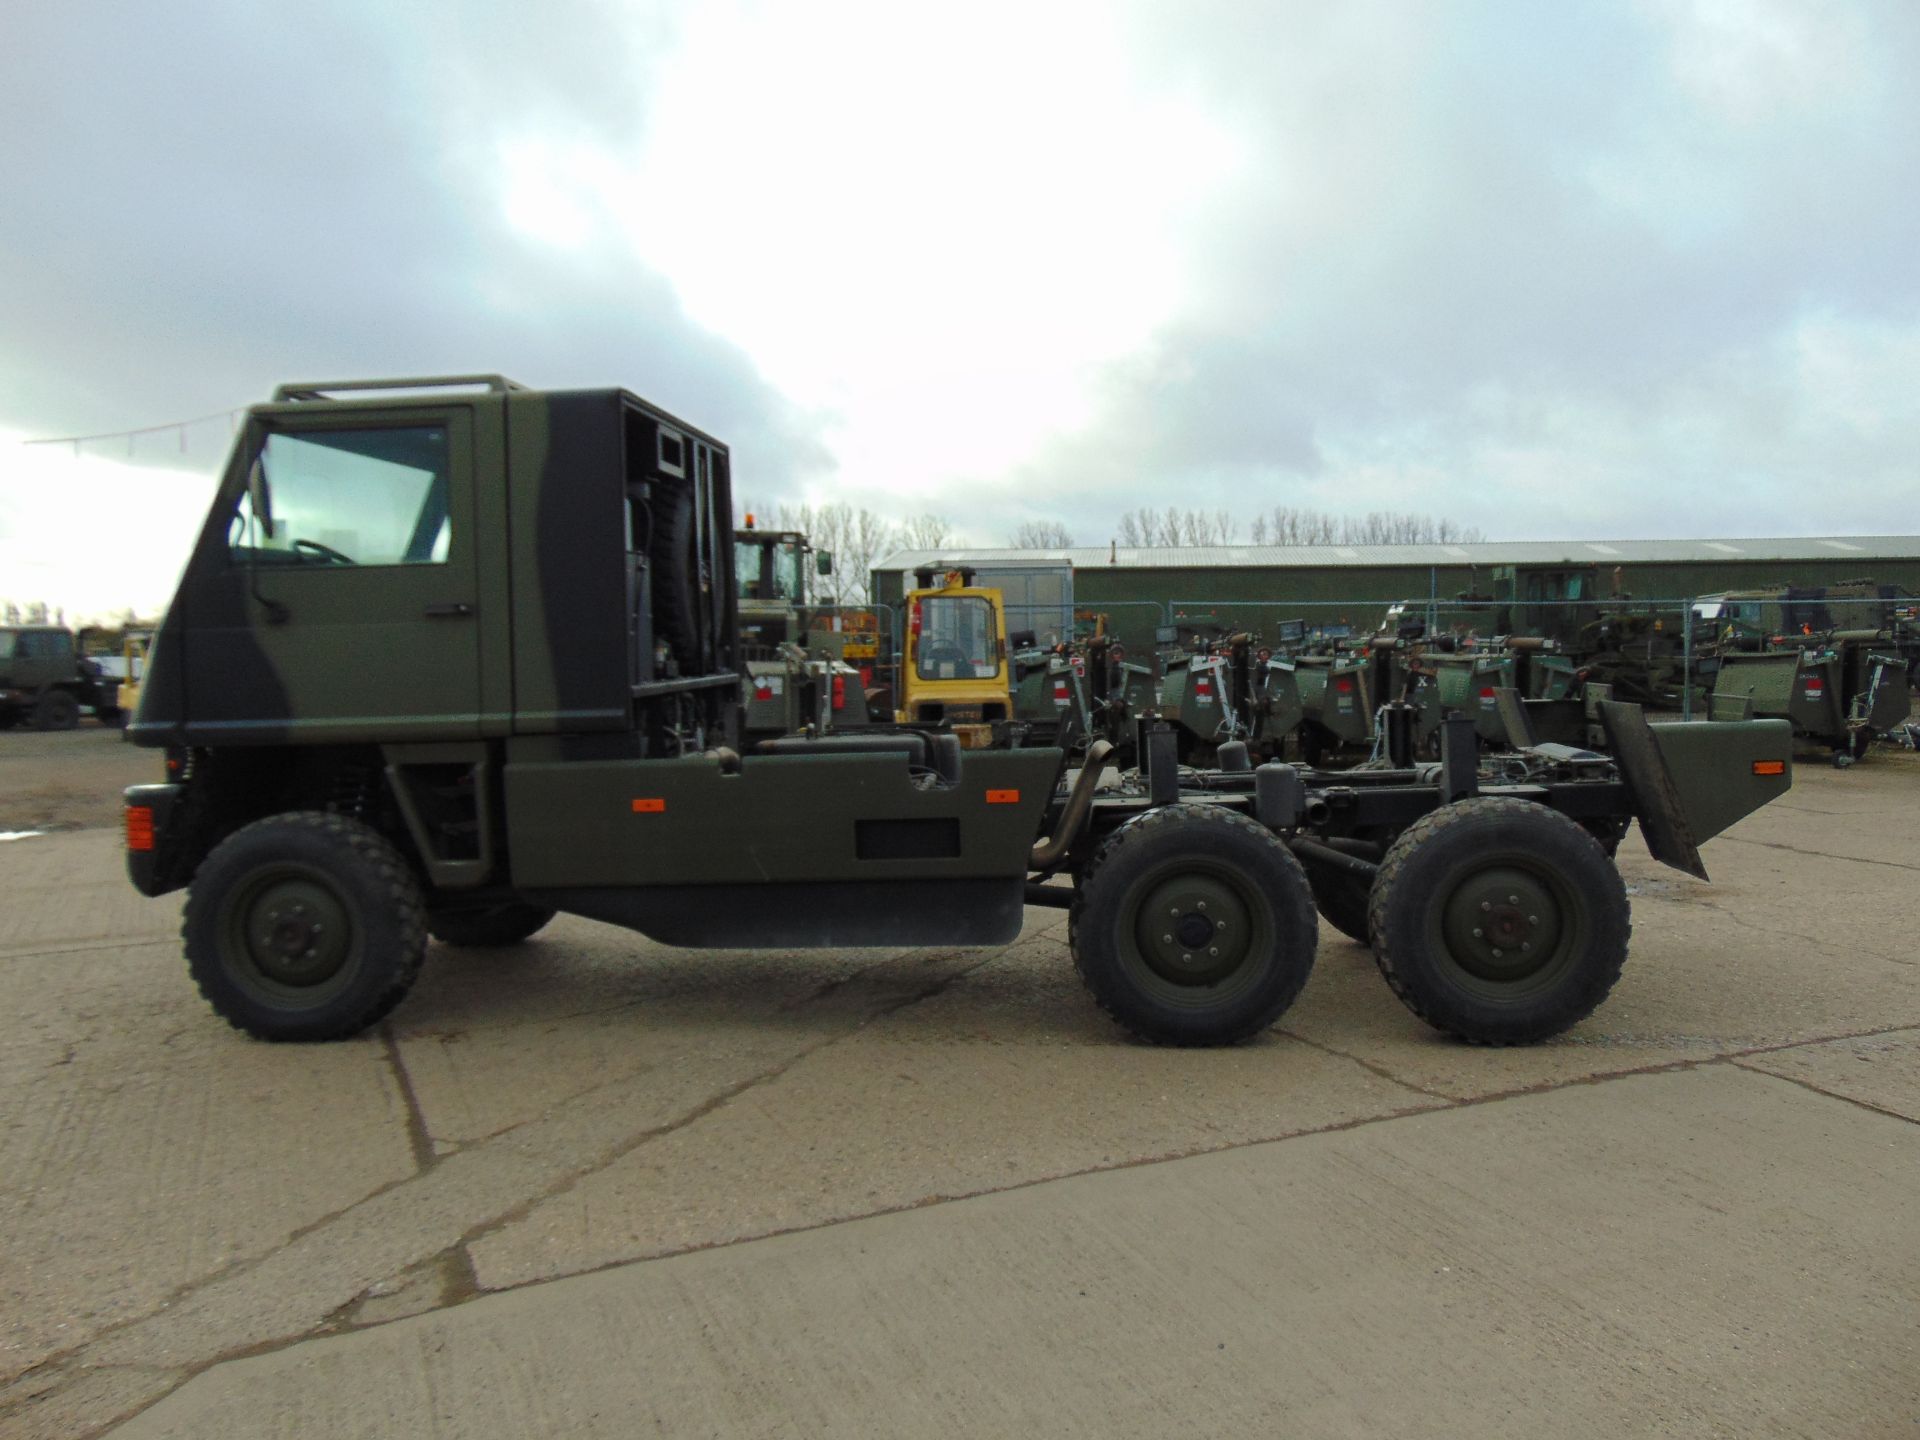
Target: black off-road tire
column 1208, row 867
column 304, row 926
column 1342, row 898
column 56, row 710
column 676, row 572
column 1464, row 897
column 497, row 925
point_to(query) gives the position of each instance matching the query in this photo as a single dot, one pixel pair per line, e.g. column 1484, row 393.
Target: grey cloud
column 203, row 201
column 1470, row 237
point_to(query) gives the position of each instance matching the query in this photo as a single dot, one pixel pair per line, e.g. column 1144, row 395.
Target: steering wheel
column 325, row 552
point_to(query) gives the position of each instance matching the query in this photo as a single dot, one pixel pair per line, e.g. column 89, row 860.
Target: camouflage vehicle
column 46, row 682
column 445, row 662
column 1775, row 616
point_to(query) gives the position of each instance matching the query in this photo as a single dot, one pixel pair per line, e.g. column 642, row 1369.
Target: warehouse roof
column 1866, row 548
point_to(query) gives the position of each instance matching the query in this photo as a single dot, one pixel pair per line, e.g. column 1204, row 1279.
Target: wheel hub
column 1193, row 930
column 295, row 931
column 1502, row 923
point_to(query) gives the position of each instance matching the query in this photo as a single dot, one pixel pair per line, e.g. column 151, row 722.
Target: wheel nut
column 1526, row 946
column 1213, row 950
column 1186, row 959
column 1533, row 919
column 1513, row 899
column 1478, row 934
column 1486, row 905
column 1219, row 924
column 1496, row 952
column 1203, row 904
column 1166, row 939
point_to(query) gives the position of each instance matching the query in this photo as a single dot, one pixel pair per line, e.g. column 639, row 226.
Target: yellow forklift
column 955, row 671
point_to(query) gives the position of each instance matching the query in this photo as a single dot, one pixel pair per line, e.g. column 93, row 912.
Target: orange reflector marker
column 1769, row 767
column 139, row 827
column 654, row 805
column 1003, row 797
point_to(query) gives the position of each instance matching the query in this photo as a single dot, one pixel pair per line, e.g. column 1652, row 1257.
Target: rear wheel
column 496, row 925
column 56, row 710
column 1499, row 921
column 1194, row 926
column 305, row 926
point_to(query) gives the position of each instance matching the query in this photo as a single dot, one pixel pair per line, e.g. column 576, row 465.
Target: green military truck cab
column 46, row 682
column 451, row 656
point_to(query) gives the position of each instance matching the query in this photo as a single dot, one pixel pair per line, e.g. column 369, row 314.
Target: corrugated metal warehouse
column 1255, row 584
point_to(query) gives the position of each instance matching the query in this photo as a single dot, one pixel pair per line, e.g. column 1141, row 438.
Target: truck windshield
column 767, row 569
column 957, row 639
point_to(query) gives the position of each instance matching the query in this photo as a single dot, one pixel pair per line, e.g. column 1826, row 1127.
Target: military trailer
column 447, row 660
column 1836, row 694
column 46, row 682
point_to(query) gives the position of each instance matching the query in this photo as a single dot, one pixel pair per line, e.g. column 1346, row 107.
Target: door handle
column 447, row 608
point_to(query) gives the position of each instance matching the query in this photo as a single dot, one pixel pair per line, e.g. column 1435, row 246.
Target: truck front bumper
column 149, row 808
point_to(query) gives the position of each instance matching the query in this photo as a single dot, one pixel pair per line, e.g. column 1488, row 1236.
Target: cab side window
column 350, row 497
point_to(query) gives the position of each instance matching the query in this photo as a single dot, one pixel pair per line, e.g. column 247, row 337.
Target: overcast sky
column 1601, row 271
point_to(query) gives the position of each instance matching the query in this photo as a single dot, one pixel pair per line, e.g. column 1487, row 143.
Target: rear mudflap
column 1691, row 780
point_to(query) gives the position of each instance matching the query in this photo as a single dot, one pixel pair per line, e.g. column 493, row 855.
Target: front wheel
column 305, row 926
column 1499, row 921
column 1195, row 926
column 56, row 710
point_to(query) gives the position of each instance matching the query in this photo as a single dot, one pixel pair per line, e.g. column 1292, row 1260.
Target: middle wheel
column 1195, row 926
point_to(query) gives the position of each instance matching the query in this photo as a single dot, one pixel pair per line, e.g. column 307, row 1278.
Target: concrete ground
column 594, row 1186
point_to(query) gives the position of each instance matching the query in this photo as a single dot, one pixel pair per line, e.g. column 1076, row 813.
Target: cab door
column 348, row 603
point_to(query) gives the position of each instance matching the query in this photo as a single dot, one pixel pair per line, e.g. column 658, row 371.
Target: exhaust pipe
column 1049, row 853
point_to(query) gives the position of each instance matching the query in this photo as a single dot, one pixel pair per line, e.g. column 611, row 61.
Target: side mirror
column 823, row 562
column 261, row 497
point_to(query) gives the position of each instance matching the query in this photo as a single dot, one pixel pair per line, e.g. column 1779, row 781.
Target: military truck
column 47, row 682
column 447, row 660
column 796, row 657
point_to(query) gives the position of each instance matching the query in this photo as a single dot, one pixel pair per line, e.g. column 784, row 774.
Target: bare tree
column 868, row 537
column 925, row 532
column 1041, row 535
column 1290, row 525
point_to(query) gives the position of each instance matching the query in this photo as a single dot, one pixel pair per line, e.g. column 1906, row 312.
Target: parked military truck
column 795, row 655
column 445, row 662
column 48, row 683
